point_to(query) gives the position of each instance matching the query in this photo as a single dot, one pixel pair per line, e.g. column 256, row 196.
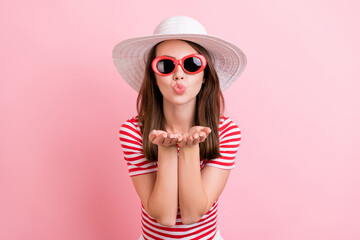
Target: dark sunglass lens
column 192, row 64
column 165, row 66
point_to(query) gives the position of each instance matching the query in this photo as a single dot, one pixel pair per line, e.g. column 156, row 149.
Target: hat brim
column 129, row 57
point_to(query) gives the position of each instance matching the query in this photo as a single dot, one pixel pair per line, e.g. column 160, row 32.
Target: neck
column 179, row 118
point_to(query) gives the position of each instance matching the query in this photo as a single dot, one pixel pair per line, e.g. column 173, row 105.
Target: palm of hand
column 190, row 138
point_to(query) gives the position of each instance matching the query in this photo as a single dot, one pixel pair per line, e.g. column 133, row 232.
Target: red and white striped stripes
column 205, row 228
column 131, row 142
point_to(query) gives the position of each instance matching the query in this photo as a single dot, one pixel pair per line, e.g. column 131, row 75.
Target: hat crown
column 179, row 25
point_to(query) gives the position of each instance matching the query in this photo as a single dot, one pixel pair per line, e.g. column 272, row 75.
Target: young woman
column 180, row 148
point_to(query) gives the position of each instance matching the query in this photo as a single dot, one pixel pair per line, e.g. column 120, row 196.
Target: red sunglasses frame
column 177, row 62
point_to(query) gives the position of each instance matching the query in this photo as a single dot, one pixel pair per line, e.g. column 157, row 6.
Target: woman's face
column 178, row 87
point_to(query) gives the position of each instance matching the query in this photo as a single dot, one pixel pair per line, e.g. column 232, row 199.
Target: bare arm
column 192, row 196
column 198, row 189
column 163, row 202
column 159, row 191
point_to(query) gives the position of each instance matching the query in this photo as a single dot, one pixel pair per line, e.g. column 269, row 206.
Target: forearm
column 163, row 202
column 192, row 196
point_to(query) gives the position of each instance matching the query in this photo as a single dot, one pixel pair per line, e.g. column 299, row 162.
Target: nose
column 179, row 73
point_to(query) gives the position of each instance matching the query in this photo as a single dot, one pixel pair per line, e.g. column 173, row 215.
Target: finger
column 202, row 136
column 189, row 141
column 180, row 138
column 196, row 135
column 159, row 139
column 183, row 141
column 196, row 141
column 207, row 130
column 156, row 133
column 196, row 138
column 174, row 139
column 167, row 139
column 170, row 139
column 163, row 137
column 152, row 135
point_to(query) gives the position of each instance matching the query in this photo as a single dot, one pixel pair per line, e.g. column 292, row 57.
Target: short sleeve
column 131, row 143
column 230, row 137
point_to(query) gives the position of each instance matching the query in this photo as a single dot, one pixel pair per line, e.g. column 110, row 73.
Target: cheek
column 162, row 83
column 199, row 80
column 159, row 80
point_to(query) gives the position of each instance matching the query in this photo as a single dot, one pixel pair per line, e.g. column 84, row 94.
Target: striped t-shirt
column 131, row 142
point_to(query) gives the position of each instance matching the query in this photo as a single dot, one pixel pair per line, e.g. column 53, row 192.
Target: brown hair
column 209, row 105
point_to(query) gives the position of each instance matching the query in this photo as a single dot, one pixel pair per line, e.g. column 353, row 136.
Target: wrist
column 189, row 147
column 167, row 155
column 167, row 149
column 193, row 149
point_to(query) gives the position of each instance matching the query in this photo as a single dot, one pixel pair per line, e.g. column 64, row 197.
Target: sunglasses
column 164, row 65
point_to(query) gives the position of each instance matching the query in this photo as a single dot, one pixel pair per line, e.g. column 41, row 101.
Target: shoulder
column 229, row 142
column 131, row 124
column 227, row 125
column 130, row 129
column 131, row 142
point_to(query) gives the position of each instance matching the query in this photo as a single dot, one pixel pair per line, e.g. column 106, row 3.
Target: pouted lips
column 179, row 89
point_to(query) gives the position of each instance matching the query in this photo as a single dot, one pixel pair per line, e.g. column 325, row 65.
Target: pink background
column 62, row 173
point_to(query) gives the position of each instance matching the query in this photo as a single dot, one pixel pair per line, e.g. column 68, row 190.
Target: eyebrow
column 173, row 56
column 169, row 56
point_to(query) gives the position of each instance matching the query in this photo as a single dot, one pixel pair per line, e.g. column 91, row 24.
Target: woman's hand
column 194, row 136
column 164, row 139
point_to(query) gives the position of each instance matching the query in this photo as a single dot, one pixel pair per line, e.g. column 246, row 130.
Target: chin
column 183, row 101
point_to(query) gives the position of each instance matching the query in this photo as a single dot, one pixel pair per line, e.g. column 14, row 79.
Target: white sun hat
column 129, row 56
